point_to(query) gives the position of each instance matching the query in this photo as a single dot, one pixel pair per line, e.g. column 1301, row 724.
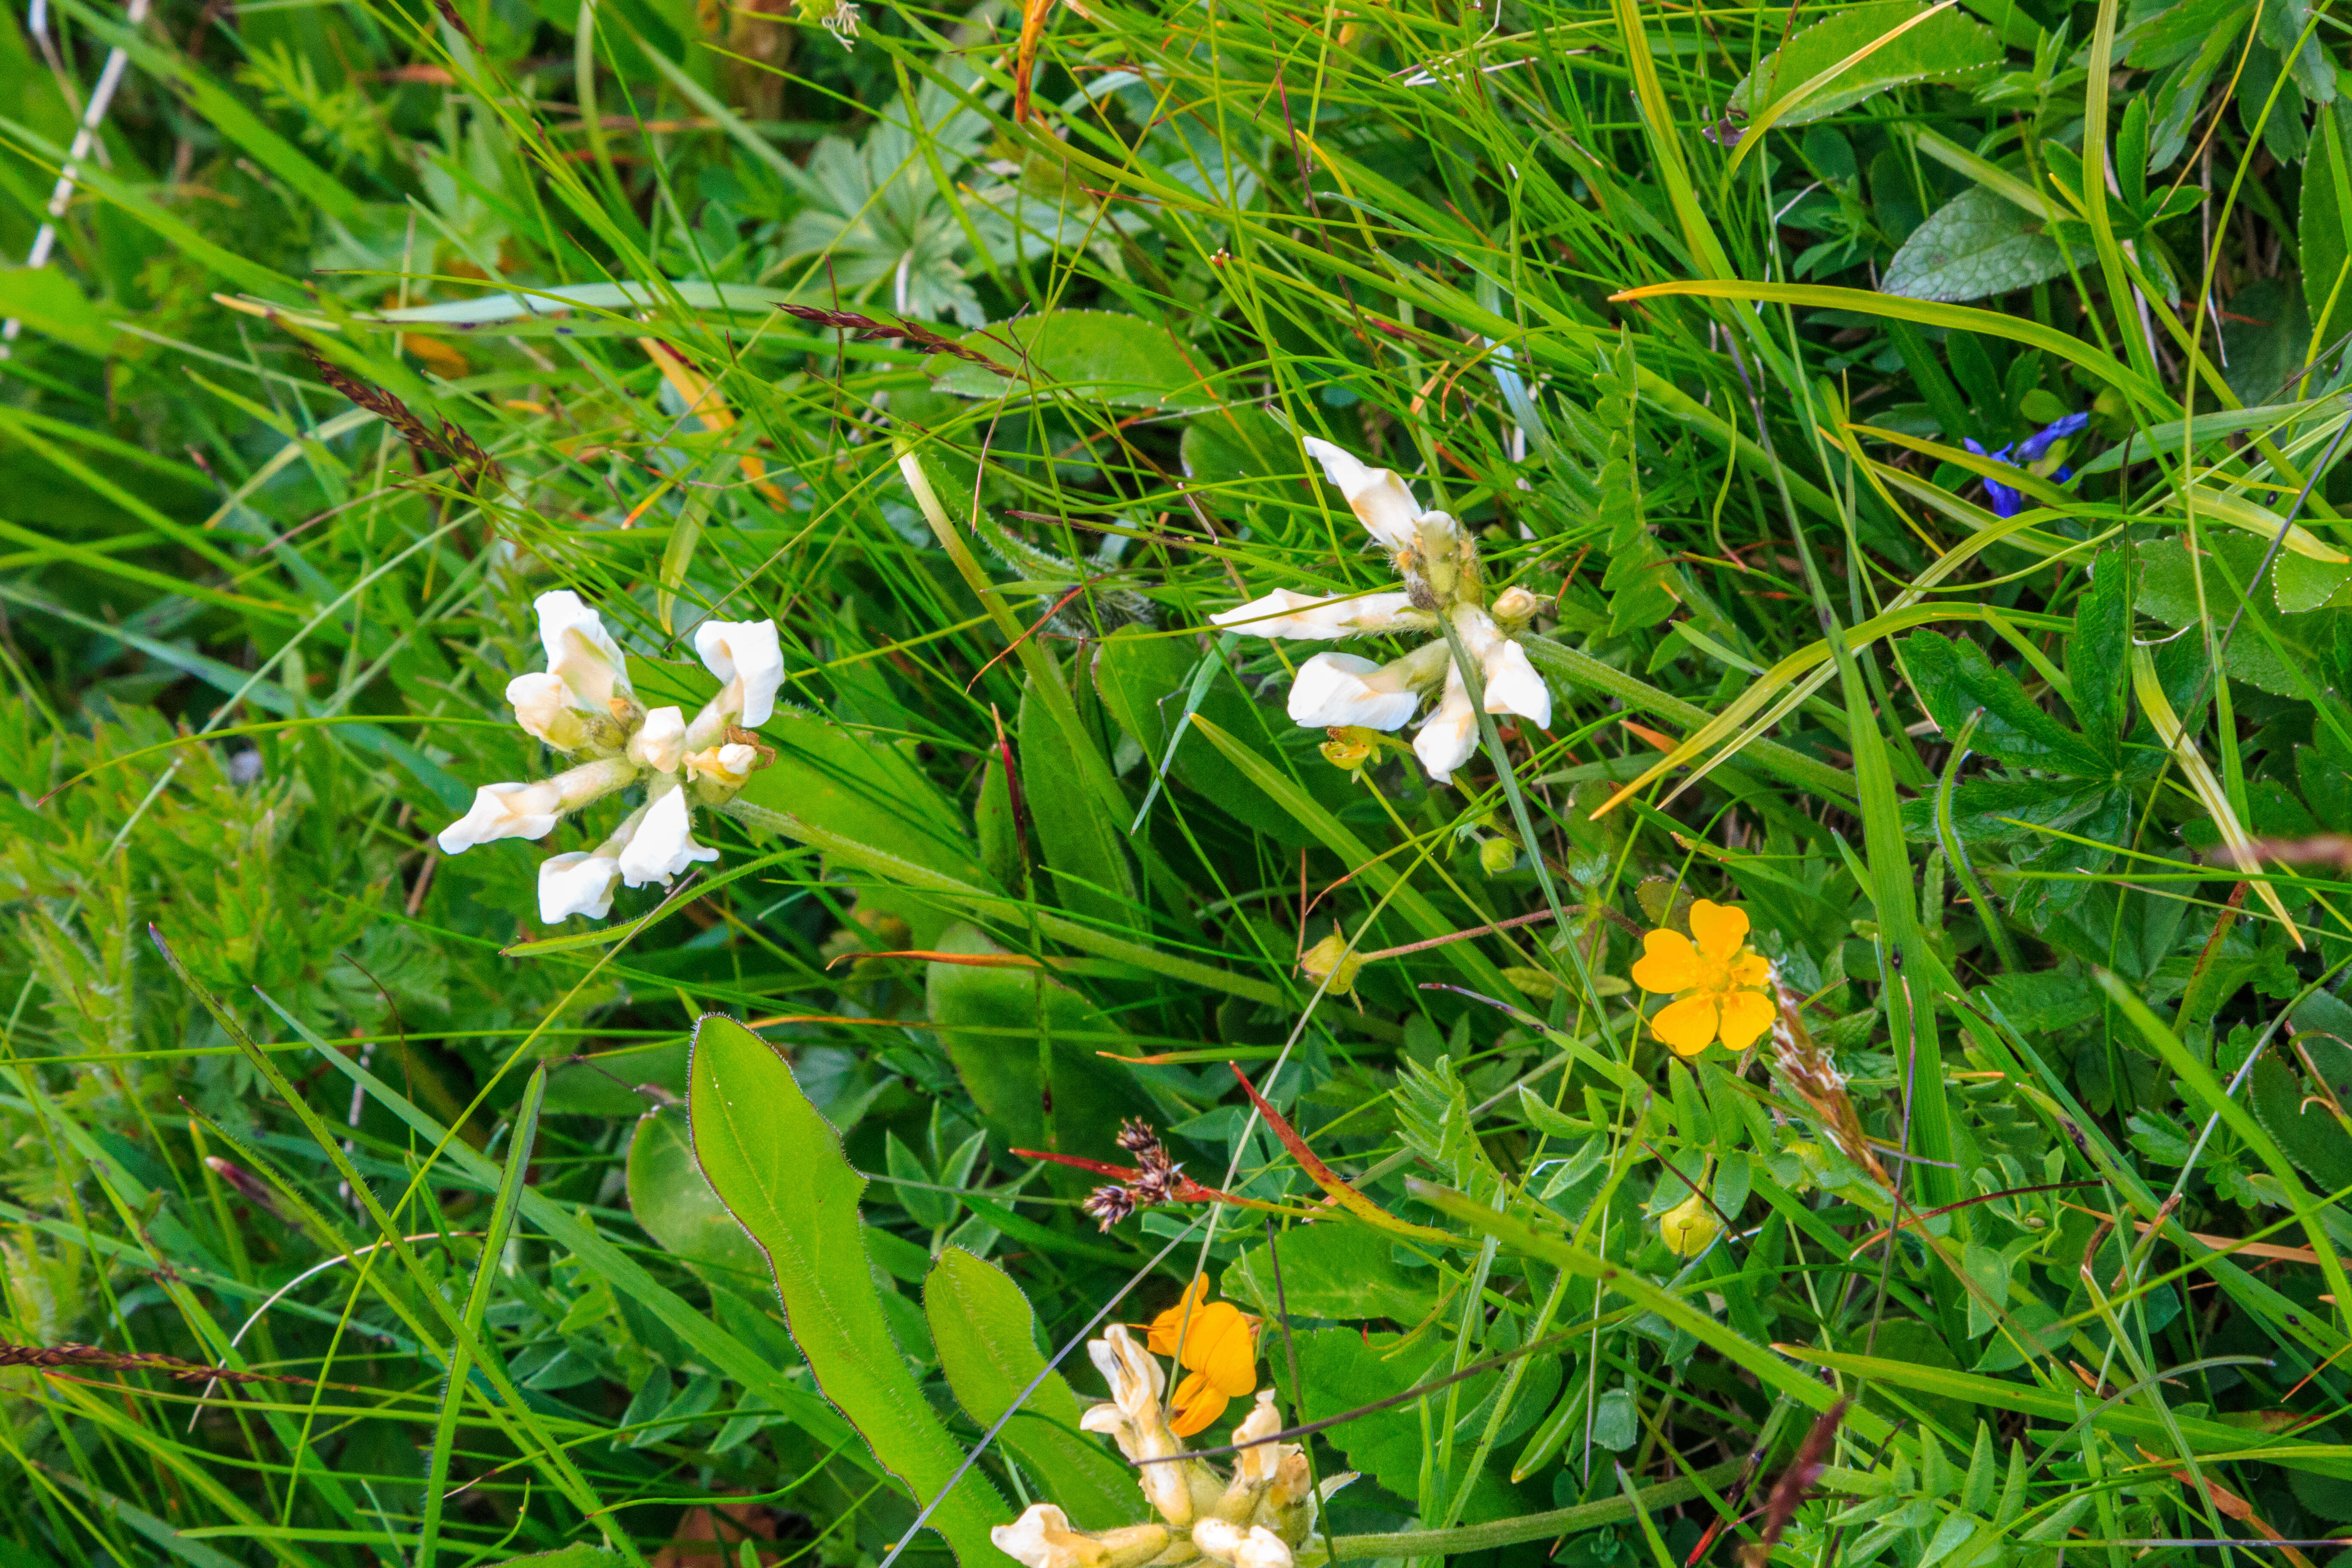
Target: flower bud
column 1689, row 1227
column 1330, row 957
column 660, row 741
column 1497, row 855
column 1513, row 607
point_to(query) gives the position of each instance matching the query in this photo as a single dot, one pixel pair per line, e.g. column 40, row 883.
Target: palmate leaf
column 1954, row 678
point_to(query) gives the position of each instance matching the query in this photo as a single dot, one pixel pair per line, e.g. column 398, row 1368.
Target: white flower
column 729, row 766
column 1335, row 689
column 505, row 811
column 746, row 658
column 660, row 743
column 1042, row 1537
column 842, row 23
column 1287, row 614
column 547, row 710
column 663, row 846
column 1450, row 736
column 1383, row 503
column 1514, row 687
column 579, row 883
column 1440, row 566
column 1256, row 1547
column 580, row 652
column 1258, row 1466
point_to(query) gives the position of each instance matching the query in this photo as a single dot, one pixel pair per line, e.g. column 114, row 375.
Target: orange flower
column 1216, row 1341
column 1710, row 972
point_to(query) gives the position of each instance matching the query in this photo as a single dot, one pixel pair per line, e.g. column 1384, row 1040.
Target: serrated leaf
column 1954, row 677
column 1948, row 46
column 1975, row 245
column 2309, row 1132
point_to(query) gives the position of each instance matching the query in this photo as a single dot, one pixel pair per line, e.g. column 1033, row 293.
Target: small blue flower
column 2007, row 500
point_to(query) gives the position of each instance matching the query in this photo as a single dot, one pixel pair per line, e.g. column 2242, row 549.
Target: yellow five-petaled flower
column 1216, row 1341
column 1712, row 973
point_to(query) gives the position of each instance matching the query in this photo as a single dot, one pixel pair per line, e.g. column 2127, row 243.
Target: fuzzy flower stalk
column 1261, row 1515
column 583, row 707
column 1443, row 585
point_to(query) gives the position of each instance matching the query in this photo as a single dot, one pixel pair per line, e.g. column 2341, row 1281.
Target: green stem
column 1532, row 1526
column 1560, row 662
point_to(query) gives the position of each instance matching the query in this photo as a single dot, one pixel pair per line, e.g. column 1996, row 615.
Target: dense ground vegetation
column 1895, row 452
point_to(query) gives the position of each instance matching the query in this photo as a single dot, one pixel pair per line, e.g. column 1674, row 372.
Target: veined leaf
column 778, row 1166
column 1821, row 62
column 1102, row 356
column 986, row 1337
column 1975, row 245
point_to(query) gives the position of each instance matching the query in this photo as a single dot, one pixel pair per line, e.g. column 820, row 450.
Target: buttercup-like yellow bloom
column 1218, row 1346
column 1712, row 974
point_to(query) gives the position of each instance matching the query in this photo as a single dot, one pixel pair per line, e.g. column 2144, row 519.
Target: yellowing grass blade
column 2238, row 513
column 703, row 401
column 2207, row 788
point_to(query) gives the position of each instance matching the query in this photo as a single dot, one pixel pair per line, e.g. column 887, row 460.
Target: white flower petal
column 1514, row 687
column 1335, row 689
column 580, row 651
column 579, row 883
column 663, row 846
column 1042, row 1537
column 543, row 706
column 505, row 811
column 744, row 651
column 660, row 743
column 1383, row 503
column 1450, row 735
column 1285, row 613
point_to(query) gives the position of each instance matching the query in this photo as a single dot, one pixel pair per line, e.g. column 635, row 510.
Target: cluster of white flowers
column 582, row 706
column 1259, row 1517
column 1438, row 560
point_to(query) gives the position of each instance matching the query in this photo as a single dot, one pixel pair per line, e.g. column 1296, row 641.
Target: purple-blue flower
column 2007, row 500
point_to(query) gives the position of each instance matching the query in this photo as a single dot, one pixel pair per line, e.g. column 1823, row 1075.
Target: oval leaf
column 779, row 1167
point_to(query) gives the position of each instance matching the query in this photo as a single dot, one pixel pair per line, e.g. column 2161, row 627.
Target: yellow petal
column 1179, row 1320
column 1745, row 1016
column 1689, row 1026
column 1222, row 1348
column 1750, row 969
column 1721, row 930
column 1667, row 962
column 1196, row 1406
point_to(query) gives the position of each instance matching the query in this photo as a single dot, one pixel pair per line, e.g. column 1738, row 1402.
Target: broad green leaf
column 576, row 1556
column 1144, row 681
column 2299, row 584
column 838, row 779
column 986, row 1337
column 2281, row 655
column 1332, row 1270
column 674, row 1204
column 779, row 1167
column 1975, row 245
column 1947, row 46
column 2098, row 654
column 1228, row 447
column 2322, row 232
column 2292, row 1111
column 1343, row 1368
column 1101, row 357
column 1027, row 1048
column 1954, row 677
column 49, row 302
column 1086, row 863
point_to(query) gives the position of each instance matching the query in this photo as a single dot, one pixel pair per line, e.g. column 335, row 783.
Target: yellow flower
column 1688, row 1227
column 1216, row 1341
column 1710, row 977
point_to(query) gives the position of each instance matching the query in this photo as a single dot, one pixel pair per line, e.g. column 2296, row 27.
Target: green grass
column 2034, row 795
